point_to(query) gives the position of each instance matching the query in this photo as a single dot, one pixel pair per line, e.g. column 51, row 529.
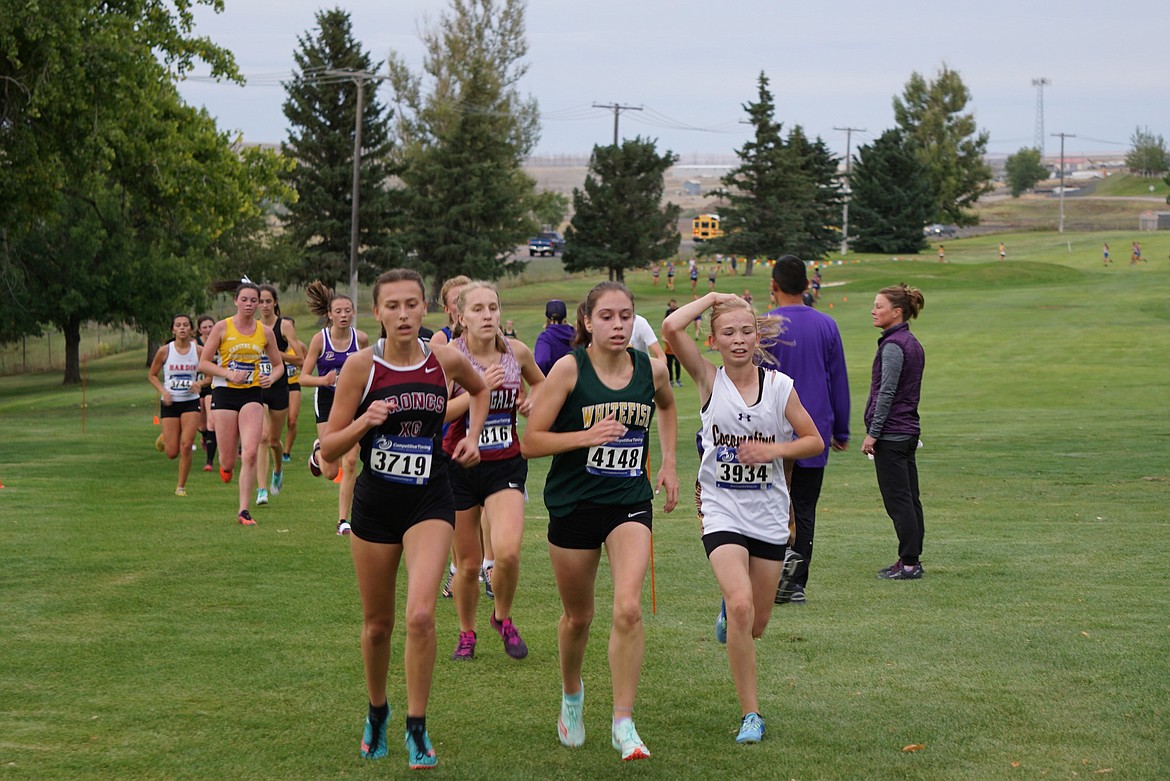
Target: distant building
column 1154, row 221
column 692, row 187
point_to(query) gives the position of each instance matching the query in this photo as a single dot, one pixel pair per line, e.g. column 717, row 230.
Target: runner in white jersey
column 178, row 411
column 750, row 417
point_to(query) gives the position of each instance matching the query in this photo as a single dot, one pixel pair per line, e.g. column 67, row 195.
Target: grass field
column 144, row 636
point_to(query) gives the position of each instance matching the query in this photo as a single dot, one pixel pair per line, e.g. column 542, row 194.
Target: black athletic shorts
column 383, row 511
column 276, row 395
column 204, row 390
column 235, row 398
column 587, row 527
column 755, row 548
column 323, row 403
column 176, row 409
column 471, row 487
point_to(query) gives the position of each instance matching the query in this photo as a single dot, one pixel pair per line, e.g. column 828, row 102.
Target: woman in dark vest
column 891, row 422
column 593, row 416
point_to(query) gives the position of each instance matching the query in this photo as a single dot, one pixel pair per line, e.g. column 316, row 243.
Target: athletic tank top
column 332, row 359
column 499, row 440
column 406, row 449
column 240, row 351
column 613, row 473
column 291, row 371
column 751, row 499
column 179, row 371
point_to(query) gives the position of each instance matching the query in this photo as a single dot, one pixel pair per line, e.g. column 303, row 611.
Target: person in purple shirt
column 557, row 337
column 809, row 351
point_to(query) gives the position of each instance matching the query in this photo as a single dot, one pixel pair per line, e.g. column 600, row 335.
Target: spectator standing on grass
column 1105, row 251
column 752, row 420
column 892, row 424
column 593, row 418
column 557, row 337
column 673, row 367
column 810, row 352
column 942, row 254
column 390, row 404
column 178, row 411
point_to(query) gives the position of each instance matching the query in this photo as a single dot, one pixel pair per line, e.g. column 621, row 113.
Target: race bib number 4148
column 620, row 458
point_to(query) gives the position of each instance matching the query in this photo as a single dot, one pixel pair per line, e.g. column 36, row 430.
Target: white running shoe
column 571, row 724
column 626, row 740
column 342, row 528
column 261, row 496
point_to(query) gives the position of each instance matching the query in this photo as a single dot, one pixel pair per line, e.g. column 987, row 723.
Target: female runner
column 328, row 351
column 178, row 361
column 206, row 421
column 277, row 397
column 390, row 402
column 248, row 363
column 749, row 416
column 593, row 417
column 294, row 394
column 497, row 484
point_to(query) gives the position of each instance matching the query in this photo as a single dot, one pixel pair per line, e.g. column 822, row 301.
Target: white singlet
column 180, row 371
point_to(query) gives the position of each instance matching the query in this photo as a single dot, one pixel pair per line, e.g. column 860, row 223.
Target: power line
column 849, row 131
column 617, row 109
column 1062, row 136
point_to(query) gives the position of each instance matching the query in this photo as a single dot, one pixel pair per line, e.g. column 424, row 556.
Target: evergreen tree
column 891, row 198
column 619, row 220
column 1023, row 169
column 321, row 110
column 947, row 142
column 818, row 193
column 466, row 131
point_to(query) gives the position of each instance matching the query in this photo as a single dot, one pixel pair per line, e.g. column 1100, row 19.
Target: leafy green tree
column 931, row 114
column 619, row 220
column 550, row 208
column 1148, row 156
column 321, row 106
column 128, row 189
column 891, row 198
column 1023, row 170
column 466, row 130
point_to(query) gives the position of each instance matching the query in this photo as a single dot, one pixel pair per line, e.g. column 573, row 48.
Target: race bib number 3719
column 402, row 459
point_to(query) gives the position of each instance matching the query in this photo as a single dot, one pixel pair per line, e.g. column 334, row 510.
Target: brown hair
column 398, row 275
column 581, row 337
column 275, row 298
column 199, row 324
column 320, row 298
column 461, row 301
column 453, row 282
column 584, row 338
column 768, row 329
column 908, row 299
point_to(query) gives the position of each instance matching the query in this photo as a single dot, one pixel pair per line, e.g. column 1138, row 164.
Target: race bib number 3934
column 729, row 473
column 402, row 459
column 620, row 458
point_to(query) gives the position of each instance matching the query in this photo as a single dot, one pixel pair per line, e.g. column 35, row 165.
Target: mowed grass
column 147, row 636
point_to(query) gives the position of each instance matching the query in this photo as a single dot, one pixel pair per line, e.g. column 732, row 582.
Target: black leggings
column 673, row 367
column 897, row 477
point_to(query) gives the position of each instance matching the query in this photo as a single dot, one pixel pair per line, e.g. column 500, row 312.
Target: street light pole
column 1062, row 136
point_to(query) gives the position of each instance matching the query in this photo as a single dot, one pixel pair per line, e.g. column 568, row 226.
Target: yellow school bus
column 705, row 227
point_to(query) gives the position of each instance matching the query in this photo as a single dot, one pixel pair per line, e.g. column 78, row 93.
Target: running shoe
column 571, row 724
column 419, row 754
column 465, row 650
column 486, row 577
column 225, row 475
column 245, row 518
column 286, row 458
column 276, row 483
column 792, row 562
column 160, row 444
column 904, row 572
column 796, row 596
column 751, row 729
column 884, row 572
column 721, row 623
column 180, row 491
column 261, row 496
column 208, row 468
column 626, row 740
column 374, row 739
column 314, row 465
column 343, row 528
column 514, row 645
column 448, row 591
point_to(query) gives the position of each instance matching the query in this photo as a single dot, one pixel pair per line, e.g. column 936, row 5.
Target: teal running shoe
column 276, row 483
column 419, row 753
column 751, row 729
column 721, row 623
column 374, row 739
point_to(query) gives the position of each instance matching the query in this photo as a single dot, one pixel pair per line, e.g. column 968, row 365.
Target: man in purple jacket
column 557, row 337
column 809, row 351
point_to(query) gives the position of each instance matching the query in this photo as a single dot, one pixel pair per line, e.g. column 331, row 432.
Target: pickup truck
column 546, row 243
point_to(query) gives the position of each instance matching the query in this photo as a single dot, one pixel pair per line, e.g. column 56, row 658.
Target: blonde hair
column 461, row 301
column 768, row 329
column 453, row 282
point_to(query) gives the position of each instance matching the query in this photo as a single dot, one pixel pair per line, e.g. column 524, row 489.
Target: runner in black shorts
column 593, row 417
column 206, row 421
column 178, row 361
column 276, row 397
column 390, row 402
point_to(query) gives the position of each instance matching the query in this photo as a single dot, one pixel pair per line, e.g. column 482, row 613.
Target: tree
column 619, row 220
column 891, row 198
column 128, row 189
column 782, row 197
column 1023, row 170
column 947, row 143
column 466, row 131
column 1148, row 157
column 321, row 110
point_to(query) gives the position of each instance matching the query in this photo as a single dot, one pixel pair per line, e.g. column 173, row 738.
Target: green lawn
column 147, row 636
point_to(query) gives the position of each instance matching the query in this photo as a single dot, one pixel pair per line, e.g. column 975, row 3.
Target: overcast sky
column 692, row 65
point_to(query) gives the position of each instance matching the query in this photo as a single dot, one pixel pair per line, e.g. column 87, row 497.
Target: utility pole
column 359, row 78
column 1062, row 136
column 848, row 184
column 616, row 109
column 1039, row 84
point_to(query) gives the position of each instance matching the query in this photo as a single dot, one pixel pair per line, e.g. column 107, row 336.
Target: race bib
column 244, row 366
column 265, row 367
column 181, row 382
column 620, row 458
column 497, row 432
column 402, row 459
column 293, row 371
column 729, row 473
